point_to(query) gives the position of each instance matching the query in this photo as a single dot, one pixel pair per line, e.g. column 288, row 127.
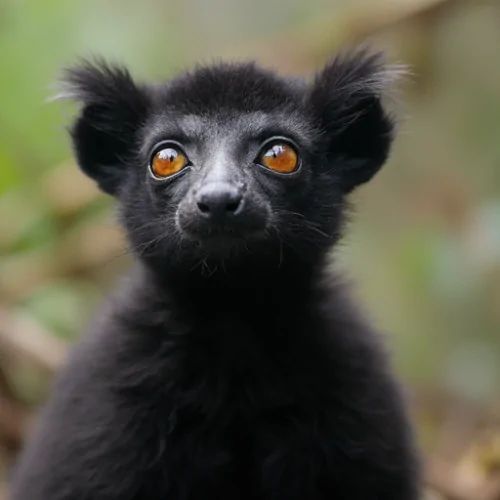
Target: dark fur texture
column 230, row 364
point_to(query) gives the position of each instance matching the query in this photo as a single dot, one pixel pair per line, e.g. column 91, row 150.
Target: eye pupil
column 280, row 157
column 168, row 161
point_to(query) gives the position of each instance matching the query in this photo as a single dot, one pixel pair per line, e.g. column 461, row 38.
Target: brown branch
column 302, row 47
column 3, row 494
column 5, row 385
column 13, row 415
column 492, row 489
column 14, row 421
column 442, row 478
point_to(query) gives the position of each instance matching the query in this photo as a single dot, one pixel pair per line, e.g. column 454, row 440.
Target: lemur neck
column 251, row 283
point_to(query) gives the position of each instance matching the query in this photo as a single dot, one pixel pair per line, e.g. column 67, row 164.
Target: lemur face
column 227, row 182
column 231, row 160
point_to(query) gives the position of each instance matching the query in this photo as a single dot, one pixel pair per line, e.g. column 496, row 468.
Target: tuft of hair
column 101, row 86
column 362, row 72
column 112, row 109
column 349, row 93
column 93, row 78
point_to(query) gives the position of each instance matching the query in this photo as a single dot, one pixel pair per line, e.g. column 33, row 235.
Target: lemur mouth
column 223, row 238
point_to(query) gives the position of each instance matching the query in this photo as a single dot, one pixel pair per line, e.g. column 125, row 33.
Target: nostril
column 230, row 206
column 233, row 205
column 204, row 208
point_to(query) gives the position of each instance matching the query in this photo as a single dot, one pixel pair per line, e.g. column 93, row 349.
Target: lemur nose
column 219, row 199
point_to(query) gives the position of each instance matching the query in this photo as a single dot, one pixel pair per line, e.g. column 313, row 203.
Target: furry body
column 230, row 364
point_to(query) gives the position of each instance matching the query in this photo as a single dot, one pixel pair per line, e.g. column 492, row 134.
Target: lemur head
column 231, row 162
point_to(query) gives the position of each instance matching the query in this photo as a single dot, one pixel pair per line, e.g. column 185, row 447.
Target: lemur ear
column 105, row 131
column 346, row 98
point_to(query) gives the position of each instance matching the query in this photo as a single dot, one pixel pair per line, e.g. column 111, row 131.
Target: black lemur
column 231, row 363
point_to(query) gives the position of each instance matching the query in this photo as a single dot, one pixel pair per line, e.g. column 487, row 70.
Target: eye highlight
column 168, row 161
column 279, row 157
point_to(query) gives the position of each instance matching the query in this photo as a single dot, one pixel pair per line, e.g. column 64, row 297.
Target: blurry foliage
column 424, row 243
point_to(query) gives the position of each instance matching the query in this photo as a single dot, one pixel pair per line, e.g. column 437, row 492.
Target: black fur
column 231, row 364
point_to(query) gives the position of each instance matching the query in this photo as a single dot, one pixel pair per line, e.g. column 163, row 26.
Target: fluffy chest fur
column 269, row 405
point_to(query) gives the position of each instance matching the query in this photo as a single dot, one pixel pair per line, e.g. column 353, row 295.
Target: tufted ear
column 105, row 132
column 346, row 98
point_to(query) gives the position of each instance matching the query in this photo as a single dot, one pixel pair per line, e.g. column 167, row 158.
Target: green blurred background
column 424, row 242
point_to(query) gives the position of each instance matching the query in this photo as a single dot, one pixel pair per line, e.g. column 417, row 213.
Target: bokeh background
column 424, row 243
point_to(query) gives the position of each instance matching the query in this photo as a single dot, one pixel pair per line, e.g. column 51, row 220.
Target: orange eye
column 280, row 157
column 168, row 162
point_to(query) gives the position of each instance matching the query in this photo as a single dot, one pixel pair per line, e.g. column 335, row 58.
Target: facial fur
column 221, row 118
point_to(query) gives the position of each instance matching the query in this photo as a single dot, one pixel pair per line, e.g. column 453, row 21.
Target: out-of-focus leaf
column 67, row 191
column 23, row 222
column 453, row 278
column 62, row 307
column 472, row 370
column 9, row 176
